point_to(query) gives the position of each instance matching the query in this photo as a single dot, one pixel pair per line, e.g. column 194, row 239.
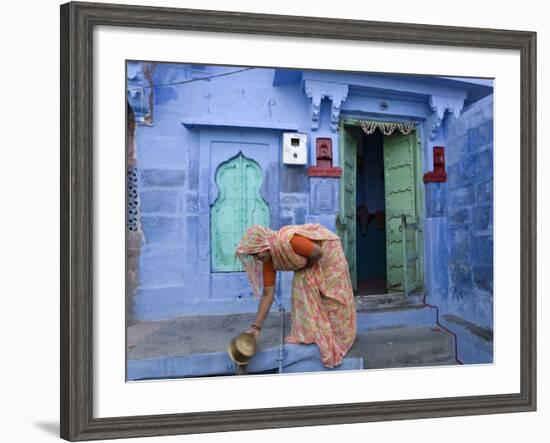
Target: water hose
column 280, row 356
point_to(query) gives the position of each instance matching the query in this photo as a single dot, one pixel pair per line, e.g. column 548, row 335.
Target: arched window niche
column 238, row 206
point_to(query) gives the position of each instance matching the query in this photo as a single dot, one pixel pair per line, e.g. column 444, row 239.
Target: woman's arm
column 306, row 248
column 314, row 256
column 263, row 309
column 269, row 278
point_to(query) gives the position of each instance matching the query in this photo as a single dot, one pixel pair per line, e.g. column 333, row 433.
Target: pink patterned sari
column 323, row 305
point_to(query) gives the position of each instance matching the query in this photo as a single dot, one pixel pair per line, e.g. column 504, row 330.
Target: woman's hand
column 254, row 332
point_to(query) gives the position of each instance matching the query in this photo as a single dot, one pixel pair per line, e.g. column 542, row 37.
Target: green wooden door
column 239, row 205
column 402, row 200
column 345, row 223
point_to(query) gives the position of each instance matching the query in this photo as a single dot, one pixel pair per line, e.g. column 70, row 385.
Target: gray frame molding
column 77, row 23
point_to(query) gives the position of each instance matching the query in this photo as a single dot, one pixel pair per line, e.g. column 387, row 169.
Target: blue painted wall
column 177, row 164
column 194, row 122
column 463, row 207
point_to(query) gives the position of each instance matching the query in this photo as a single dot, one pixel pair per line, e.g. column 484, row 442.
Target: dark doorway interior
column 371, row 224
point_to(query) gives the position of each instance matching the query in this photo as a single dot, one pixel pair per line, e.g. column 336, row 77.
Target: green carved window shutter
column 239, row 205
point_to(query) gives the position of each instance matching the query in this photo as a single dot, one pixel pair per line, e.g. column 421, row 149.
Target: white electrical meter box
column 294, row 148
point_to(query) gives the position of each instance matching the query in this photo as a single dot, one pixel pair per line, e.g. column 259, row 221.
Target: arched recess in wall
column 239, row 205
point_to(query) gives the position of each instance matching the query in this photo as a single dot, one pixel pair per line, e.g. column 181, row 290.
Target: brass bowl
column 242, row 348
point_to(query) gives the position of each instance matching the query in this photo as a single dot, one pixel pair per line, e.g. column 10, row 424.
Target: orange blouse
column 300, row 244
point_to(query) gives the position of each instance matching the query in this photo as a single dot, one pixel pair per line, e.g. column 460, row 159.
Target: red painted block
column 323, row 167
column 438, row 175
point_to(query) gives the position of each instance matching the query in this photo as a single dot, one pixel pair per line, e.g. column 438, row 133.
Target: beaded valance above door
column 387, row 128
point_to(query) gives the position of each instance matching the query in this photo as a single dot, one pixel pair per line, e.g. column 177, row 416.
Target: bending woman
column 322, row 302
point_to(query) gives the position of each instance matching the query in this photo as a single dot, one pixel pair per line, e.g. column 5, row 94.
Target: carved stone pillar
column 435, row 223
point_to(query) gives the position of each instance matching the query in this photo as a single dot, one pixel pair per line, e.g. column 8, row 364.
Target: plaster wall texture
column 462, row 210
column 177, row 164
column 201, row 116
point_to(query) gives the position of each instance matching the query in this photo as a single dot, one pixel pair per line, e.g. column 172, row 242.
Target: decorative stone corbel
column 318, row 90
column 140, row 91
column 439, row 105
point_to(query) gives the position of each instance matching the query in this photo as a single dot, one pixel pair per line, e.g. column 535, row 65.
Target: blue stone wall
column 176, row 166
column 469, row 224
column 196, row 122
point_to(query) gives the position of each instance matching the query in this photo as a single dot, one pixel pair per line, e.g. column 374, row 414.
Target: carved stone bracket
column 439, row 105
column 140, row 91
column 318, row 90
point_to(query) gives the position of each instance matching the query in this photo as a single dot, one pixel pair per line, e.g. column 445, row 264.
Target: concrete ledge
column 224, row 122
column 474, row 343
column 415, row 316
column 296, row 358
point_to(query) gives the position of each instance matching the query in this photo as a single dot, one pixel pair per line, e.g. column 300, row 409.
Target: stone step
column 475, row 343
column 197, row 345
column 405, row 347
column 296, row 358
column 387, row 301
column 417, row 315
column 382, row 348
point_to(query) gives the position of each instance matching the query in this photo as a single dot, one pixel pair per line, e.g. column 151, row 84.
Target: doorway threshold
column 393, row 300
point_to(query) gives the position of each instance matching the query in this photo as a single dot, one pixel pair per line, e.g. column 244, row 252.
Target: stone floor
column 392, row 332
column 198, row 334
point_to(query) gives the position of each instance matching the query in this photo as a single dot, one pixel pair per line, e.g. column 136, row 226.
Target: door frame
column 341, row 209
column 418, row 168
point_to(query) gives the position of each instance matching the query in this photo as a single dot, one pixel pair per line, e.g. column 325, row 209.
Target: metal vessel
column 242, row 348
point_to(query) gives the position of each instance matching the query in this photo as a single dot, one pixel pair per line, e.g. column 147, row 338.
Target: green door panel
column 239, row 205
column 256, row 211
column 400, row 181
column 346, row 222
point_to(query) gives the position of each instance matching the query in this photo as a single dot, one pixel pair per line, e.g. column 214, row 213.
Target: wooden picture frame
column 77, row 23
